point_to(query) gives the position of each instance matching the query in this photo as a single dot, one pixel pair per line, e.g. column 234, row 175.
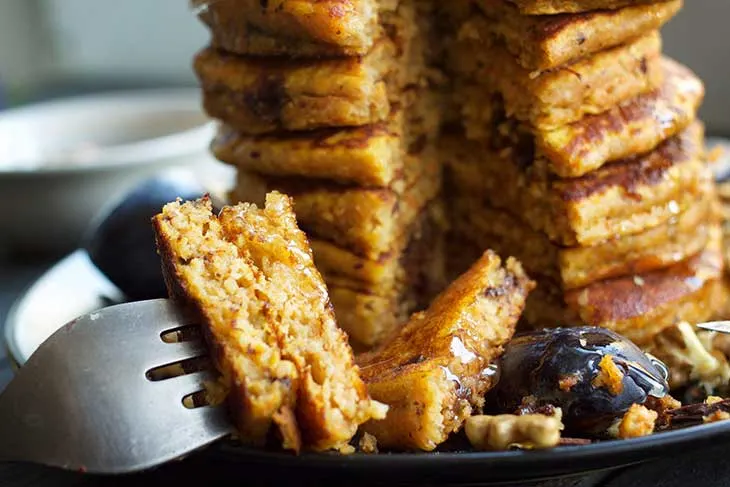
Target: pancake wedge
column 433, row 372
column 250, row 274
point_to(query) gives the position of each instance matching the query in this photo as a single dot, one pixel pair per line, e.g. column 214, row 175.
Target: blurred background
column 57, row 47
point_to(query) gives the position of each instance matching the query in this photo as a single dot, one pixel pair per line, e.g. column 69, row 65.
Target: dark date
column 122, row 242
column 561, row 368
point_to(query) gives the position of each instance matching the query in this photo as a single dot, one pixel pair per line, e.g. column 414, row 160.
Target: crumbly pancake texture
column 262, row 95
column 433, row 372
column 621, row 198
column 573, row 267
column 562, row 95
column 545, row 42
column 267, row 314
column 291, row 27
column 551, row 7
column 368, row 221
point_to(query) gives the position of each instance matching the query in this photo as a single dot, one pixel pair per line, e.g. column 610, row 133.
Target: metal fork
column 85, row 400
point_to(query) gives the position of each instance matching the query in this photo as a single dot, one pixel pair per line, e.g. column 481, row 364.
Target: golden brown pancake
column 250, row 275
column 561, row 95
column 633, row 127
column 434, row 372
column 367, row 221
column 262, row 95
column 292, row 27
column 369, row 156
column 668, row 244
column 551, row 7
column 641, row 306
column 621, row 198
column 545, row 42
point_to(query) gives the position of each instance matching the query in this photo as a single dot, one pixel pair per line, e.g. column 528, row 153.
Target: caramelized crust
column 287, row 295
column 262, row 95
column 433, row 372
column 545, row 42
column 573, row 267
column 291, row 27
column 551, row 7
column 561, row 95
column 620, row 198
column 634, row 127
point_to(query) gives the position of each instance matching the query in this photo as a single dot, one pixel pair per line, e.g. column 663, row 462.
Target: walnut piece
column 503, row 432
column 638, row 421
column 609, row 376
column 368, row 443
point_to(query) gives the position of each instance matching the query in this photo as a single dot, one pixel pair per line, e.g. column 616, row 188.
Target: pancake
column 621, row 198
column 367, row 221
column 641, row 306
column 573, row 267
column 545, row 42
column 551, row 7
column 369, row 156
column 435, row 371
column 291, row 27
column 562, row 95
column 633, row 127
column 262, row 95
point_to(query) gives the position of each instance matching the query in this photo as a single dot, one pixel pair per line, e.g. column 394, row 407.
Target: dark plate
column 475, row 467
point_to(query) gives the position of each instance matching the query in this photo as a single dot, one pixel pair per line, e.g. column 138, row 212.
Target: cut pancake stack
column 577, row 150
column 327, row 102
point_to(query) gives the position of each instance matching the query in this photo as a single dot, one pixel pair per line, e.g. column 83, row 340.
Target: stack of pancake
column 328, row 101
column 576, row 149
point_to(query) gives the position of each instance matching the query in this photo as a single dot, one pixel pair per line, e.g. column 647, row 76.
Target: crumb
column 346, row 450
column 713, row 400
column 716, row 416
column 567, row 382
column 507, row 431
column 717, row 153
column 610, row 376
column 638, row 421
column 368, row 443
column 662, row 406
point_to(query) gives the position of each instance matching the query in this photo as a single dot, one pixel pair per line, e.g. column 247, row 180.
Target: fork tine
column 160, row 353
column 178, row 387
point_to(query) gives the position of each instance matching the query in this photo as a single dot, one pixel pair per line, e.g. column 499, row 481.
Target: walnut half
column 503, row 432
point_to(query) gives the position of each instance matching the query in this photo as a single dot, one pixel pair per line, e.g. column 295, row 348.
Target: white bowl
column 61, row 161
